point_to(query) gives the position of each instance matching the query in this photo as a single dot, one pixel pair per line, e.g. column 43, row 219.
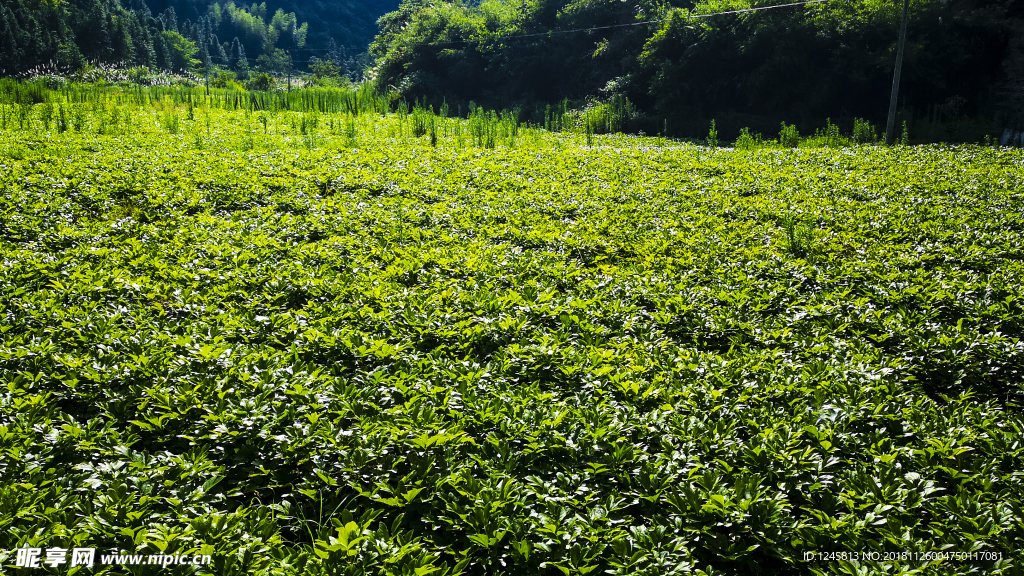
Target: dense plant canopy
column 310, row 336
column 802, row 64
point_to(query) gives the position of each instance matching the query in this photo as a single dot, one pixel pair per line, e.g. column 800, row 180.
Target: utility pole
column 289, row 65
column 207, row 63
column 890, row 125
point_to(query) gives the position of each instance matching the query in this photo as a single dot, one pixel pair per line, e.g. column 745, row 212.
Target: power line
column 551, row 32
column 758, row 9
column 630, row 24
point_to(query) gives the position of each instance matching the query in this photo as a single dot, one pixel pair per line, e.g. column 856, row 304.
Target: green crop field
column 310, row 336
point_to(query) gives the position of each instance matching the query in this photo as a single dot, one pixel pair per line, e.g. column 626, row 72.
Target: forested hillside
column 349, row 25
column 801, row 64
column 668, row 65
column 183, row 35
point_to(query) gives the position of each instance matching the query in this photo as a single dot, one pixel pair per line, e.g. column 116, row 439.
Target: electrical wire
column 608, row 27
column 646, row 22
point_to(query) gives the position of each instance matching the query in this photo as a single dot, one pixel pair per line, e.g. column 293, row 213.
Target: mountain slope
column 350, row 23
column 184, row 34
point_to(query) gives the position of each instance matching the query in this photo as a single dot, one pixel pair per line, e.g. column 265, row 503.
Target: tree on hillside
column 799, row 63
column 94, row 33
column 69, row 57
column 181, row 53
column 10, row 55
column 36, row 32
column 122, row 48
column 237, row 60
column 276, row 61
column 169, row 18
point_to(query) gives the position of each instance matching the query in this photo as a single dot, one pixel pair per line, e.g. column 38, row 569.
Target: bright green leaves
column 547, row 359
column 346, row 541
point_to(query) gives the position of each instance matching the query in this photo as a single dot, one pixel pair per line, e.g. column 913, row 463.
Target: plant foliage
column 310, row 335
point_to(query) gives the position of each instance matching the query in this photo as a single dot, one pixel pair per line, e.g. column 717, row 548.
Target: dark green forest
column 666, row 66
column 802, row 64
column 185, row 35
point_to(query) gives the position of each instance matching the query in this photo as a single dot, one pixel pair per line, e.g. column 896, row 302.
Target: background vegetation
column 671, row 66
column 185, row 36
column 799, row 64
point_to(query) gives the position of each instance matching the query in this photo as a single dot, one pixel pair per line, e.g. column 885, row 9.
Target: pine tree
column 140, row 7
column 33, row 42
column 170, row 20
column 94, row 34
column 239, row 63
column 204, row 56
column 69, row 57
column 142, row 41
column 10, row 55
column 160, row 52
column 121, row 41
column 221, row 56
column 188, row 30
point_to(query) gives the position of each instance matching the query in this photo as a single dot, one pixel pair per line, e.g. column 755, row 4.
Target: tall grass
column 316, row 114
column 609, row 117
column 863, row 132
column 361, row 100
column 748, row 141
column 171, row 122
column 789, row 136
column 712, row 139
column 828, row 137
column 309, row 126
column 559, row 117
column 799, row 236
